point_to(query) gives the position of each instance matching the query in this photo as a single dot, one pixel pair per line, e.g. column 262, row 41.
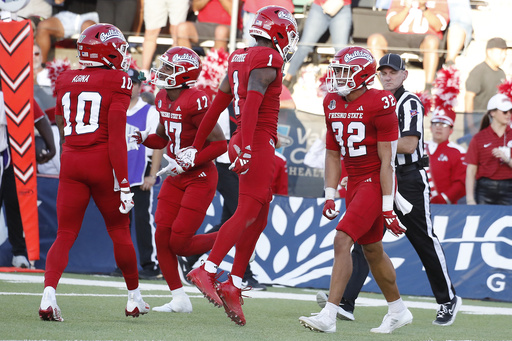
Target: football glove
column 392, row 223
column 172, row 167
column 126, row 202
column 241, row 163
column 186, row 157
column 139, row 136
column 330, row 211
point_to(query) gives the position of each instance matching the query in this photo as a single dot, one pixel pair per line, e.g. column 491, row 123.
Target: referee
column 414, row 205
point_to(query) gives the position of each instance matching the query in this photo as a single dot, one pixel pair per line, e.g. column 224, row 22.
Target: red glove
column 241, row 163
column 330, row 209
column 392, row 223
column 438, row 199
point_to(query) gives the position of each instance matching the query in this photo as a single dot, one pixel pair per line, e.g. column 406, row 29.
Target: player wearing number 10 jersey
column 363, row 128
column 186, row 193
column 91, row 116
column 253, row 82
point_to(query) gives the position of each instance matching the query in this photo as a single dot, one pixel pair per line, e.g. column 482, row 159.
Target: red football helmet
column 350, row 69
column 278, row 25
column 179, row 66
column 103, row 44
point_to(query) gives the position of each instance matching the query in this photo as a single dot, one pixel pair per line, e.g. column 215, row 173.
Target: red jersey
column 415, row 22
column 280, row 181
column 447, row 171
column 241, row 63
column 93, row 103
column 480, row 154
column 181, row 117
column 354, row 128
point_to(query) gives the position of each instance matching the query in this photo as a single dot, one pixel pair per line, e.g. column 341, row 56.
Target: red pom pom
column 446, row 88
column 55, row 68
column 426, row 99
column 506, row 88
column 214, row 68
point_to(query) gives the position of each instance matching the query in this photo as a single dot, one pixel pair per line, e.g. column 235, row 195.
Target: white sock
column 135, row 292
column 237, row 281
column 178, row 292
column 332, row 309
column 210, row 266
column 396, row 306
column 49, row 293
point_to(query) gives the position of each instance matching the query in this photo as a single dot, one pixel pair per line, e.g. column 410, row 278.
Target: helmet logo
column 112, row 33
column 186, row 57
column 286, row 15
column 358, row 54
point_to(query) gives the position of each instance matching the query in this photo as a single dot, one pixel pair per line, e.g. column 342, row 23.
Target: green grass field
column 93, row 309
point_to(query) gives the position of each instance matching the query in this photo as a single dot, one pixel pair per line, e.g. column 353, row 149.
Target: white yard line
column 145, row 287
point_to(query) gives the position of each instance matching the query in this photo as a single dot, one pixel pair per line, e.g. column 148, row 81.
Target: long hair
column 486, row 121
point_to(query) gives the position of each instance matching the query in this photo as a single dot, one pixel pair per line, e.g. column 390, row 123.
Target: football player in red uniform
column 253, row 81
column 91, row 116
column 186, row 193
column 362, row 127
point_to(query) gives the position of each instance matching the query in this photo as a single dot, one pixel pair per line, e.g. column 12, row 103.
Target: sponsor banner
column 296, row 248
column 16, row 47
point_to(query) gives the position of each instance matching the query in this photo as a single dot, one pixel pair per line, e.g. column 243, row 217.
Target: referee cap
column 392, row 60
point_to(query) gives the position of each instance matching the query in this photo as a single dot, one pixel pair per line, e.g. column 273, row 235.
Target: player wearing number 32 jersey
column 362, row 127
column 91, row 116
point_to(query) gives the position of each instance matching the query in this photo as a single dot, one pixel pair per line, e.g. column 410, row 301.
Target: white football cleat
column 136, row 306
column 179, row 304
column 49, row 310
column 321, row 322
column 393, row 321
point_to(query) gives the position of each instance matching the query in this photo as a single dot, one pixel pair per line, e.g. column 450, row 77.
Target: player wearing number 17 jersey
column 253, row 82
column 363, row 128
column 186, row 193
column 91, row 116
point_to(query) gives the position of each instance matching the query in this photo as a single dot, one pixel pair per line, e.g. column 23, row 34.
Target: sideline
column 145, row 287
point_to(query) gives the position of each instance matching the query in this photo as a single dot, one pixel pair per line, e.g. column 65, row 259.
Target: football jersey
column 181, row 117
column 241, row 63
column 355, row 127
column 86, row 98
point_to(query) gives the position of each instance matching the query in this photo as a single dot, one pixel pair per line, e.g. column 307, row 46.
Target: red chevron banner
column 16, row 48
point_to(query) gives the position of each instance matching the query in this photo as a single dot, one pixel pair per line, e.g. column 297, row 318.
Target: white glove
column 186, row 157
column 126, row 202
column 172, row 167
column 138, row 136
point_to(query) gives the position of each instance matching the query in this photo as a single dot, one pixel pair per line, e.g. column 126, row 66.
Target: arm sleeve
column 213, row 150
column 220, row 103
column 154, row 141
column 116, row 137
column 250, row 116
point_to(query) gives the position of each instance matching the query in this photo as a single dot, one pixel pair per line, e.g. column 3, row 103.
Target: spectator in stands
column 62, row 25
column 156, row 13
column 249, row 13
column 42, row 84
column 414, row 25
column 120, row 13
column 41, row 8
column 213, row 21
column 335, row 15
column 489, row 172
column 460, row 29
column 447, row 170
column 482, row 83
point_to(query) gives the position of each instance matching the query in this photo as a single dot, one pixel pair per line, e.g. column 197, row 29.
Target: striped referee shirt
column 410, row 120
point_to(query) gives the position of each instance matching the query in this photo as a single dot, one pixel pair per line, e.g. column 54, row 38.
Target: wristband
column 330, row 193
column 387, row 203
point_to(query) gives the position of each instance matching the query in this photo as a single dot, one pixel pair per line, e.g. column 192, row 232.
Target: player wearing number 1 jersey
column 362, row 128
column 253, row 82
column 186, row 193
column 91, row 115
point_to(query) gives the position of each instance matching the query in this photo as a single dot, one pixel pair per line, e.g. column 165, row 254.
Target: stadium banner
column 296, row 248
column 16, row 51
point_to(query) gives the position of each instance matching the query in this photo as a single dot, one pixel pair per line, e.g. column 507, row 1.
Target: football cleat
column 179, row 304
column 207, row 283
column 232, row 300
column 136, row 306
column 393, row 321
column 321, row 322
column 49, row 310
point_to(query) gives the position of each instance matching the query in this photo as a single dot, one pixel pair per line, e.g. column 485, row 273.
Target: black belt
column 408, row 168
